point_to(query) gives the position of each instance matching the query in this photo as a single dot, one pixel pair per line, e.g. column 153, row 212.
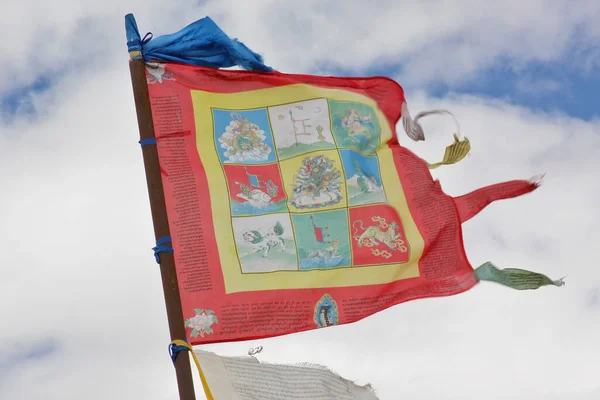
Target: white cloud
column 76, row 228
column 442, row 41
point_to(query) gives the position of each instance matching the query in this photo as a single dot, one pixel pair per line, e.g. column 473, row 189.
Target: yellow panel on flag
column 292, row 205
column 265, row 234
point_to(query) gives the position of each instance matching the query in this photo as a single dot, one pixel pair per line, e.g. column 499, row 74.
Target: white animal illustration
column 265, row 241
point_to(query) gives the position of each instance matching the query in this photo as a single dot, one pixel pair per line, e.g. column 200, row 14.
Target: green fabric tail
column 515, row 278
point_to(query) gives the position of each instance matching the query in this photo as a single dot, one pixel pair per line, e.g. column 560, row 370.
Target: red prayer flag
column 250, row 262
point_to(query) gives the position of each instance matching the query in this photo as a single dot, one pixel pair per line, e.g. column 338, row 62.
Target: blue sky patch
column 541, row 87
column 548, row 87
column 20, row 99
column 25, row 352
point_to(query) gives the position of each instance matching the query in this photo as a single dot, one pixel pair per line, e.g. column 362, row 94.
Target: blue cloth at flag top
column 201, row 43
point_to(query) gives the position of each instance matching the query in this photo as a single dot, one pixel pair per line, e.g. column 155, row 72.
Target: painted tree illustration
column 363, row 184
column 278, row 229
column 317, row 175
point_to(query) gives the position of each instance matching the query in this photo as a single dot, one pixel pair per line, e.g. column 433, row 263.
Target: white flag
column 245, row 378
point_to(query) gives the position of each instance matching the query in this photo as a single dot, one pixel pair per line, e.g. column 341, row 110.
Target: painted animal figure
column 355, row 123
column 375, row 235
column 256, row 197
column 326, row 254
column 265, row 242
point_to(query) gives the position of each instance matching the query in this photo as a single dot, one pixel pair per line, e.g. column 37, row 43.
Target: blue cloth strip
column 201, row 43
column 146, row 142
column 161, row 248
column 174, row 349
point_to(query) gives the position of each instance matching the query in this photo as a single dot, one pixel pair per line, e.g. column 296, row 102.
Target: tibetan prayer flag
column 246, row 378
column 343, row 222
column 291, row 203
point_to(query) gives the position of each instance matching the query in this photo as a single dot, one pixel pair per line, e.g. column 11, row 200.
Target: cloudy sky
column 82, row 312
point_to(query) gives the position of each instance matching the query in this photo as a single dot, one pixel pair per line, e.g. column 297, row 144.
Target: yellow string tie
column 178, row 342
column 454, row 153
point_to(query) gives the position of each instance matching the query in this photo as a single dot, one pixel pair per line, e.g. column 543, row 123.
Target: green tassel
column 515, row 278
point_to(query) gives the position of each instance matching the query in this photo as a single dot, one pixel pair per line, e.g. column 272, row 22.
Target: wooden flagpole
column 158, row 207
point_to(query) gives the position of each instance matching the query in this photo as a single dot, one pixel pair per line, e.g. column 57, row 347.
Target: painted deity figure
column 355, row 123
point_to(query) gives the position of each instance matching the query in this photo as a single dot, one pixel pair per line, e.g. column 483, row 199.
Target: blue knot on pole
column 161, row 248
column 174, row 349
column 134, row 42
column 146, row 142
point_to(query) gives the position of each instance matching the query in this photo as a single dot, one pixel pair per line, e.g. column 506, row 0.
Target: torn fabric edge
column 515, row 278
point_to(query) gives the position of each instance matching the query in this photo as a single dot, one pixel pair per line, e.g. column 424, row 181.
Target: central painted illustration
column 305, row 187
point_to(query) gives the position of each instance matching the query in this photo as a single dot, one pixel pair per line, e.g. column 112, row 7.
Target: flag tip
column 537, row 180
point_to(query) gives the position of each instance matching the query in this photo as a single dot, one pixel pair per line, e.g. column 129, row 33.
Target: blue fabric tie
column 174, row 349
column 146, row 142
column 161, row 248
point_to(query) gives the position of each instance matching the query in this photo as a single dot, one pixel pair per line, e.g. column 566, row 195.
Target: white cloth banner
column 245, row 378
